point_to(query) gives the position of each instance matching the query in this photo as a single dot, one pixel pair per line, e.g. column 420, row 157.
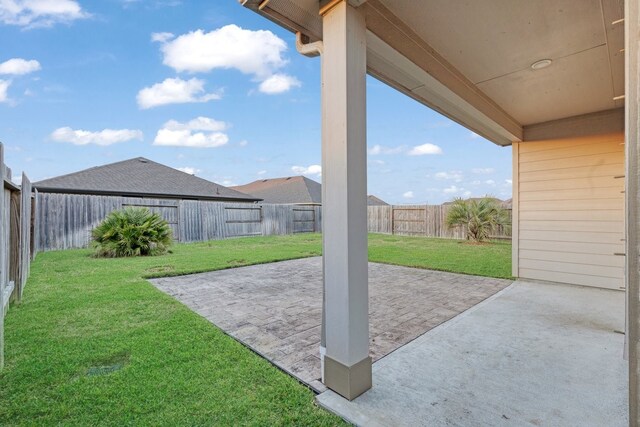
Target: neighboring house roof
column 292, row 189
column 140, row 177
column 375, row 201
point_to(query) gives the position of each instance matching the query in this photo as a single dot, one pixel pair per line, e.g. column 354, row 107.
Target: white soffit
column 490, row 38
column 572, row 86
column 388, row 65
column 494, row 42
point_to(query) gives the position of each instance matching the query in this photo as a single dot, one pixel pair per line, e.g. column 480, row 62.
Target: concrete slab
column 276, row 308
column 533, row 354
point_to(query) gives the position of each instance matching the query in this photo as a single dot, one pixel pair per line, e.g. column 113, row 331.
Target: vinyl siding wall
column 570, row 210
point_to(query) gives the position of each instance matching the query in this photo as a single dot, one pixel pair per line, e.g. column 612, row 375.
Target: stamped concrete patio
column 276, row 309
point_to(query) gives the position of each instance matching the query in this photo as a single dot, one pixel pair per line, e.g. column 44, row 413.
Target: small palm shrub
column 481, row 217
column 132, row 231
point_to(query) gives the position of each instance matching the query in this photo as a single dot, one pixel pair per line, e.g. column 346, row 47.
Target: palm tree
column 132, row 231
column 481, row 217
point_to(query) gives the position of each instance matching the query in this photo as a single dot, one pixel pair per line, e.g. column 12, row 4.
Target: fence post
column 14, row 243
column 25, row 234
column 35, row 226
column 426, row 220
column 393, row 225
column 2, row 257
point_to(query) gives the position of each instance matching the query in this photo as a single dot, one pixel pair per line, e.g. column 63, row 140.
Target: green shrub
column 132, row 232
column 480, row 217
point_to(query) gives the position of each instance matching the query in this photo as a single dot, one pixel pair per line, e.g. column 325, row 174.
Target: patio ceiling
column 472, row 60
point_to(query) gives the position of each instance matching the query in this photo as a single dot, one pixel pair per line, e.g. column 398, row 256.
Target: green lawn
column 93, row 343
column 493, row 260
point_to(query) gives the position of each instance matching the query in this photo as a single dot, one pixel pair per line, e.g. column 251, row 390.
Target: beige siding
column 570, row 205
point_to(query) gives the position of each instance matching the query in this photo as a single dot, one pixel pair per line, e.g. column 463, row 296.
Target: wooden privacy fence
column 64, row 221
column 417, row 220
column 15, row 242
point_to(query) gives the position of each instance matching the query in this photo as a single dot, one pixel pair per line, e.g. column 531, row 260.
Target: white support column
column 347, row 365
column 632, row 195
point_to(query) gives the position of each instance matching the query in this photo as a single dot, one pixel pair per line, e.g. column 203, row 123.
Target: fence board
column 3, row 245
column 15, row 235
column 35, row 229
column 379, row 219
column 25, row 234
column 14, row 241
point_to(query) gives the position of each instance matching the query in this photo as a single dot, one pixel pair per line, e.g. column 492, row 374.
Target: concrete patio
column 275, row 309
column 533, row 354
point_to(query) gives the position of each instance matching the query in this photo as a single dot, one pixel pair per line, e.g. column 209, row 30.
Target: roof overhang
column 412, row 47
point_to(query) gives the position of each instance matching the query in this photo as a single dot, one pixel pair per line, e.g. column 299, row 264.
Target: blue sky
column 212, row 88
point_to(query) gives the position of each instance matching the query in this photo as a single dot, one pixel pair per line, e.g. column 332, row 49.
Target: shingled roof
column 375, row 201
column 140, row 177
column 292, row 189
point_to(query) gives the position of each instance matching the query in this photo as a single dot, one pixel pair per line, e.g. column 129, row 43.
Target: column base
column 348, row 381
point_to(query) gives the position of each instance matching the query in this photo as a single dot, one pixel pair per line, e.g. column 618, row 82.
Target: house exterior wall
column 569, row 210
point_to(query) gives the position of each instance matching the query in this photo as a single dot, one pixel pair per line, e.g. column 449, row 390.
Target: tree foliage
column 481, row 217
column 132, row 231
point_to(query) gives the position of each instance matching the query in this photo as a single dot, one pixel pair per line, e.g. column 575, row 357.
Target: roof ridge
column 93, row 168
column 138, row 174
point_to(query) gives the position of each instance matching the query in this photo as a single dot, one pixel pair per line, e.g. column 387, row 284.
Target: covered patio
column 274, row 308
column 533, row 354
column 555, row 80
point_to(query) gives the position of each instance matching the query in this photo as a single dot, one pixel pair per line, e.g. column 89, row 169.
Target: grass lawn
column 493, row 260
column 94, row 343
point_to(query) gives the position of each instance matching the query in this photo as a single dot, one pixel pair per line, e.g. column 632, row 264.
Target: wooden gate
column 243, row 220
column 409, row 220
column 304, row 220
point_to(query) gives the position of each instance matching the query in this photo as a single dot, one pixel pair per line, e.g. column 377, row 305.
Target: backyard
column 94, row 343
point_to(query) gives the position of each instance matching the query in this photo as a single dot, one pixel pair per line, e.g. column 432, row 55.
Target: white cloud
column 4, row 89
column 425, row 149
column 310, row 170
column 259, row 54
column 474, row 135
column 408, row 195
column 490, row 182
column 199, row 123
column 40, row 13
column 483, row 171
column 262, row 172
column 201, row 132
column 103, row 137
column 186, row 138
column 381, row 149
column 278, row 83
column 161, row 37
column 456, row 176
column 174, row 91
column 243, row 143
column 19, row 66
column 189, row 170
column 453, row 189
column 508, row 182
